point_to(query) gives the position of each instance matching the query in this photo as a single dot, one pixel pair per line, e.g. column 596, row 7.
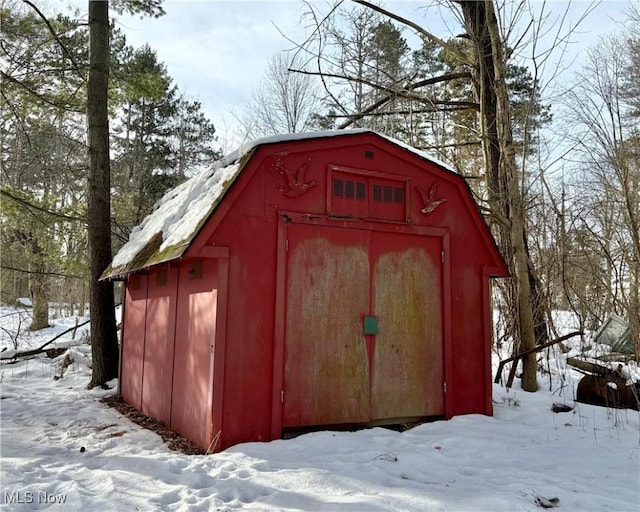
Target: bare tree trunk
column 37, row 285
column 523, row 289
column 39, row 303
column 104, row 343
column 509, row 170
column 505, row 191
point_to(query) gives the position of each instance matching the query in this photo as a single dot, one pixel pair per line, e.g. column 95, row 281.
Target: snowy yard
column 63, row 449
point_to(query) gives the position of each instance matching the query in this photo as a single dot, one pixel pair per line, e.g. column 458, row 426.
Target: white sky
column 217, row 51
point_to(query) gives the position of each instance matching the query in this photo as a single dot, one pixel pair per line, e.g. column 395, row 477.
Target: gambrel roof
column 168, row 231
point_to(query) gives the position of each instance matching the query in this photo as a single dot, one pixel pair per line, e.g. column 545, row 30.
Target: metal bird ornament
column 296, row 184
column 429, row 200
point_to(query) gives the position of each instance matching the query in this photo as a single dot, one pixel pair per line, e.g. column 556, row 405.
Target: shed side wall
column 133, row 339
column 195, row 337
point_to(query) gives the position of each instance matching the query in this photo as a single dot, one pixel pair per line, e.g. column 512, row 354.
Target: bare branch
column 55, row 274
column 404, row 92
column 420, row 30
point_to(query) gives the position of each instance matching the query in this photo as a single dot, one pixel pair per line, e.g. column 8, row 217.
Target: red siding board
column 279, row 332
column 133, row 340
column 195, row 332
column 159, row 346
column 123, row 320
column 468, row 345
column 217, row 391
column 487, row 339
column 248, row 364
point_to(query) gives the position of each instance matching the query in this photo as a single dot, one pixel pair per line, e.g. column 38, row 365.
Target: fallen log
column 594, row 368
column 42, row 348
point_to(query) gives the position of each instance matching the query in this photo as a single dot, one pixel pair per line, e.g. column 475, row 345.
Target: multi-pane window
column 349, row 189
column 363, row 194
column 387, row 193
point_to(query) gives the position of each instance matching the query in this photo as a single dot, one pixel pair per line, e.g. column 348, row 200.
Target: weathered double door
column 337, row 369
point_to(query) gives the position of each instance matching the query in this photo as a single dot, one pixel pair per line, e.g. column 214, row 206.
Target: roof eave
column 165, row 256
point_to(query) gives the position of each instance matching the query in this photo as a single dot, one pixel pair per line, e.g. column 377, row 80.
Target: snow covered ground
column 63, row 449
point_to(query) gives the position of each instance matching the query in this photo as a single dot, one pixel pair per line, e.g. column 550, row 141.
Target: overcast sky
column 217, row 51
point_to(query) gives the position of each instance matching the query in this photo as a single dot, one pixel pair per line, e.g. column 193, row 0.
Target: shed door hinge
column 445, row 388
column 282, row 396
column 442, row 256
column 286, row 245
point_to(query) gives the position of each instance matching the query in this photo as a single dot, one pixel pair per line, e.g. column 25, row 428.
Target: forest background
column 575, row 139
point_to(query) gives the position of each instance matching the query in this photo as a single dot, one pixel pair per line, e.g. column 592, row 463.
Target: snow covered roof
column 167, row 232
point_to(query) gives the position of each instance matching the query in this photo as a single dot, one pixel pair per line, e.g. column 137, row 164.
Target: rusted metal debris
column 606, row 386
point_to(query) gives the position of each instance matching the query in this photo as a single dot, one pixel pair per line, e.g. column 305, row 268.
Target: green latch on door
column 371, row 325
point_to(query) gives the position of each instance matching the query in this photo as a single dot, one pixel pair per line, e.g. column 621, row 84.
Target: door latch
column 370, row 325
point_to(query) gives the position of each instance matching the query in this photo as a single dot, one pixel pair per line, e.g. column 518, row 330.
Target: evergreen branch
column 55, row 35
column 17, row 117
column 49, row 71
column 30, row 206
column 41, row 97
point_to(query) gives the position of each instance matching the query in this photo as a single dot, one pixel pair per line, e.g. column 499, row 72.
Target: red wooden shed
column 323, row 279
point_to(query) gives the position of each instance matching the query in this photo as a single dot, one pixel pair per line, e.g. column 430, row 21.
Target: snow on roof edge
column 332, row 133
column 177, row 217
column 166, row 233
